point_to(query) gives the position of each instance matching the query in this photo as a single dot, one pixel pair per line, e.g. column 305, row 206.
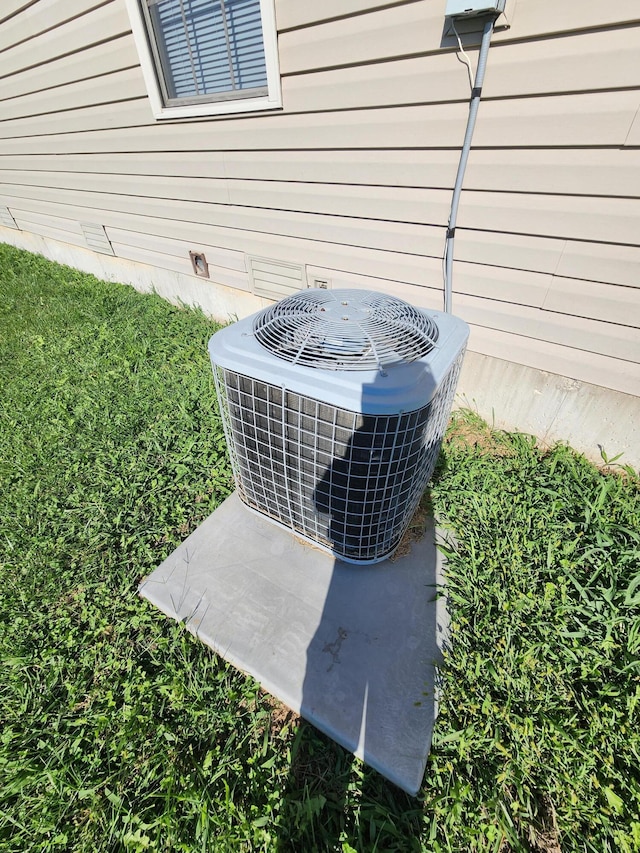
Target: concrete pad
column 353, row 649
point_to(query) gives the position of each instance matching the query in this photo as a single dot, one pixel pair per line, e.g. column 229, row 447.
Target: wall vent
column 274, row 279
column 199, row 264
column 96, row 238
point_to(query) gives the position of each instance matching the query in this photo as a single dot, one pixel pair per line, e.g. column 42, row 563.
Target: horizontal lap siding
column 90, row 62
column 45, row 15
column 75, row 96
column 531, row 17
column 602, row 171
column 62, row 39
column 592, row 119
column 67, row 230
column 634, row 134
column 353, row 178
column 245, row 202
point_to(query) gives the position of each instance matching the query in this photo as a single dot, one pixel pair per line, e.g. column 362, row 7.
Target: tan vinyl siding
column 44, row 16
column 352, row 179
column 528, row 18
column 609, row 302
column 557, row 358
column 534, row 18
column 10, row 8
column 33, row 133
column 85, row 93
column 67, row 230
column 180, row 263
column 590, row 119
column 577, row 62
column 88, row 63
column 582, row 171
column 599, row 262
column 633, row 137
column 385, row 33
column 94, row 26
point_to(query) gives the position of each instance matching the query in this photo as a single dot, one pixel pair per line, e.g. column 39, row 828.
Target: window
column 207, row 57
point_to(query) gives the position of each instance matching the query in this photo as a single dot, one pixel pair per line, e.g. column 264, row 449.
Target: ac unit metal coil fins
column 344, row 480
column 345, row 330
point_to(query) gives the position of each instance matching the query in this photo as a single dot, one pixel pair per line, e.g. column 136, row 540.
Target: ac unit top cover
column 355, row 349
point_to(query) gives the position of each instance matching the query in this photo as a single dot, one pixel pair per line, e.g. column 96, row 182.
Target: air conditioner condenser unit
column 334, row 405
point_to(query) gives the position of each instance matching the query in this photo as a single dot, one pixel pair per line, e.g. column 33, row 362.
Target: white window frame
column 272, row 100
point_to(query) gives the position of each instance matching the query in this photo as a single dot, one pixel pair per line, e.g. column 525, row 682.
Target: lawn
column 120, row 732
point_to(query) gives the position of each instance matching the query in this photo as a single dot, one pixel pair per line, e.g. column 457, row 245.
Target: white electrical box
column 468, row 8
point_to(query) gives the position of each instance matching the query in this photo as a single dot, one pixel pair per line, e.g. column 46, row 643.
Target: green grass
column 120, row 732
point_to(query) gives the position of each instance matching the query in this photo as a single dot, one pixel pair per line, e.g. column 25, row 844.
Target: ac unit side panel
column 346, row 481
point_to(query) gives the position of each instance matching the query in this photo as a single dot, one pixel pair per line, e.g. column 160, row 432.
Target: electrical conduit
column 476, row 93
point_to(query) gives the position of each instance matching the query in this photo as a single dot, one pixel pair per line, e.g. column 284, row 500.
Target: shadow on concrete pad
column 370, row 666
column 353, row 649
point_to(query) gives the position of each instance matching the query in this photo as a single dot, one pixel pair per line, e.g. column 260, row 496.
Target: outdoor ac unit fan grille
column 347, row 481
column 345, row 330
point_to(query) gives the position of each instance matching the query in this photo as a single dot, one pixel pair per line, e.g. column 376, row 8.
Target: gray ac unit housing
column 334, row 405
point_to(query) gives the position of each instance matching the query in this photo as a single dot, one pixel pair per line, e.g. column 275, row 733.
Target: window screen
column 207, row 50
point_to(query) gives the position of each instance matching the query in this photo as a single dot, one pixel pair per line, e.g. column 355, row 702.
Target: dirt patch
column 468, row 431
column 415, row 531
column 280, row 714
column 546, row 838
column 547, row 843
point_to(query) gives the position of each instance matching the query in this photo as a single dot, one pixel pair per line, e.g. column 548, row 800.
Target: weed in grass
column 120, row 732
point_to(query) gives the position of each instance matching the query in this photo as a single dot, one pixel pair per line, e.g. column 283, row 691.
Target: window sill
column 218, row 108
